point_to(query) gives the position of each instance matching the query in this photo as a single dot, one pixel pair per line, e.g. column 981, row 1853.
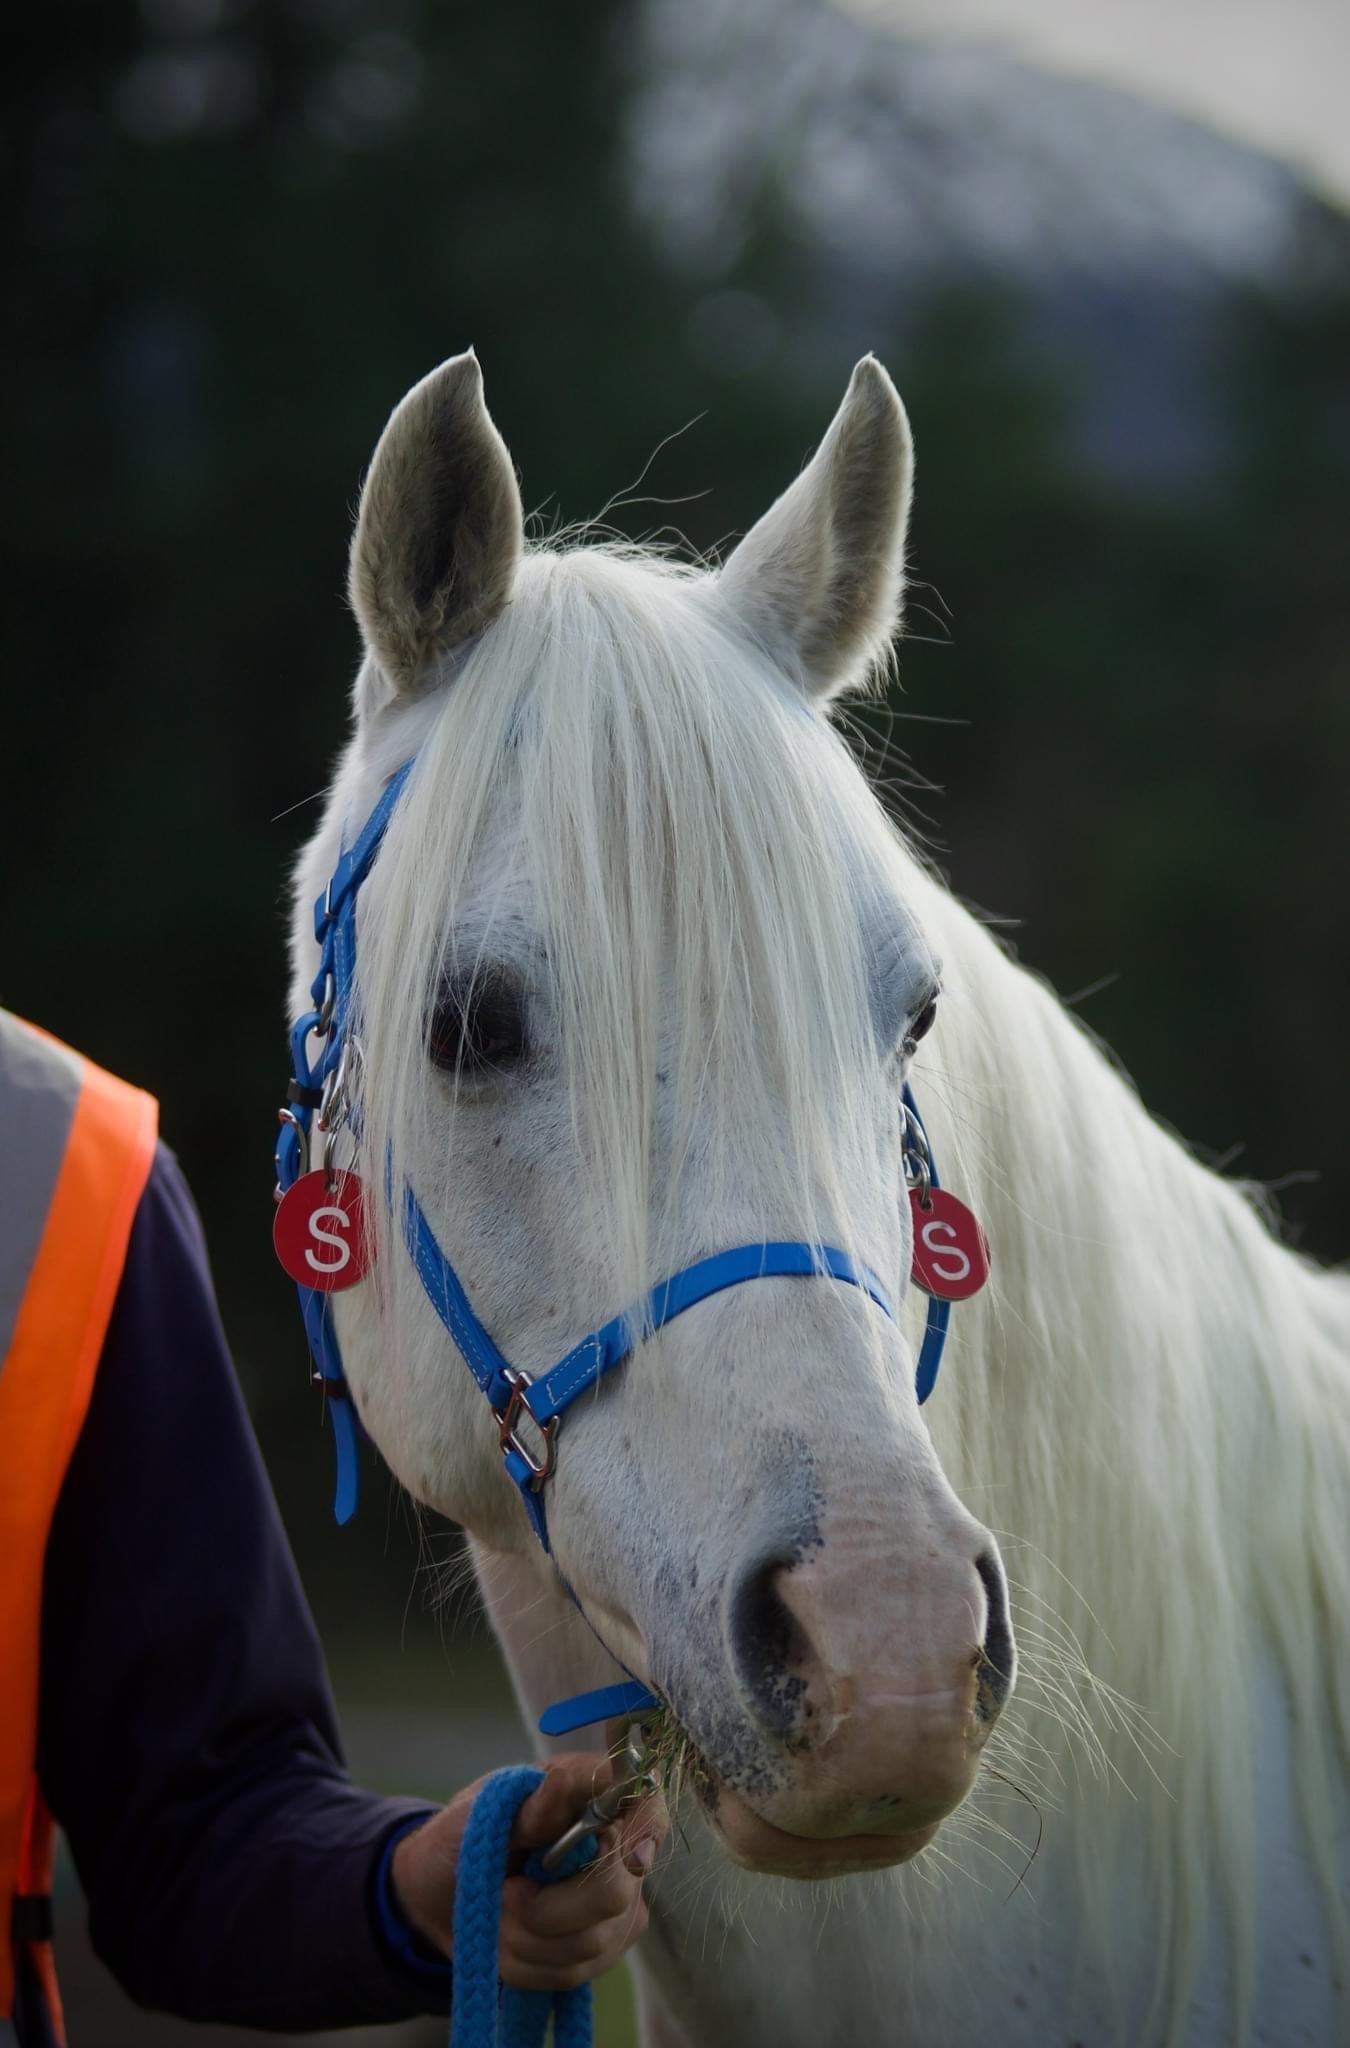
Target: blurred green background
column 237, row 232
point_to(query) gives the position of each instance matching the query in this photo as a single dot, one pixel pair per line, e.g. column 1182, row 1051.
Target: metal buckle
column 510, row 1415
column 916, row 1157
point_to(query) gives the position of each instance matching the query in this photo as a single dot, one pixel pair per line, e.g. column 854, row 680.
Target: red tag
column 318, row 1231
column 951, row 1252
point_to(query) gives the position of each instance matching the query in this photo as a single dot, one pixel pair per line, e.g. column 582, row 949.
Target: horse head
column 640, row 977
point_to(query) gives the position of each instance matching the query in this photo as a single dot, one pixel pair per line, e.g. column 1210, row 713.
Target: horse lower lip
column 758, row 1845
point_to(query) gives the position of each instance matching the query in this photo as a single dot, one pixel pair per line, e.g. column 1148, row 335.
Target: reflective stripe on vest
column 76, row 1147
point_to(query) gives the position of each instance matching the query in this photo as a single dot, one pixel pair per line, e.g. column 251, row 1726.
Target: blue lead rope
column 484, row 2012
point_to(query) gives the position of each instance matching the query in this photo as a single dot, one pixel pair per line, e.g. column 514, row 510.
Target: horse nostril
column 768, row 1647
column 996, row 1659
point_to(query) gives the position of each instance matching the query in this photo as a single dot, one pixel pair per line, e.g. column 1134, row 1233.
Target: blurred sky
column 1271, row 72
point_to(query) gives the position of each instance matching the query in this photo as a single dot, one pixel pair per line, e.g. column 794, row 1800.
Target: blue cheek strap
column 920, row 1166
column 314, row 1086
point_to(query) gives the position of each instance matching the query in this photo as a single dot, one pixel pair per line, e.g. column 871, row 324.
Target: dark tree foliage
column 1151, row 782
column 238, row 233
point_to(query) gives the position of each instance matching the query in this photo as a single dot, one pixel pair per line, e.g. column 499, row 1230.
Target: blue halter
column 519, row 1402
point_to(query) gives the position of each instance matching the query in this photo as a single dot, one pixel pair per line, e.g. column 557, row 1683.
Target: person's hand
column 554, row 1936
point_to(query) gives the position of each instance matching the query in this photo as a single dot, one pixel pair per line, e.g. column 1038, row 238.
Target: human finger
column 603, row 1891
column 556, row 1962
column 643, row 1827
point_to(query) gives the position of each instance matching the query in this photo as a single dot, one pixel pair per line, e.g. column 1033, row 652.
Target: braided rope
column 484, row 2013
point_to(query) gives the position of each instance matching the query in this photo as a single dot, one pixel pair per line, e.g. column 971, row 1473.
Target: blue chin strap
column 527, row 1409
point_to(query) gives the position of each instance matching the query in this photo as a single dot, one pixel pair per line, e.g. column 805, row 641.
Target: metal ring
column 338, row 1085
column 508, row 1435
column 914, row 1137
column 333, row 1106
column 915, row 1156
column 288, row 1116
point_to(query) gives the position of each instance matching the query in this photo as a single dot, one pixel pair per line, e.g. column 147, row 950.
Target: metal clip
column 603, row 1807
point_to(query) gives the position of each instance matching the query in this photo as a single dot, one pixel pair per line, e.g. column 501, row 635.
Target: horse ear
column 819, row 579
column 440, row 528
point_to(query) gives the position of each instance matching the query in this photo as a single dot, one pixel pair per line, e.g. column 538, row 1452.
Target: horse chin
column 756, row 1845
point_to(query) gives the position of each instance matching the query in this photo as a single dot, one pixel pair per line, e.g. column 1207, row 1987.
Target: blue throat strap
column 515, row 1397
column 606, row 1348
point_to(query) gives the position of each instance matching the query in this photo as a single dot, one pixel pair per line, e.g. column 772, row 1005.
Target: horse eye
column 476, row 1029
column 922, row 1024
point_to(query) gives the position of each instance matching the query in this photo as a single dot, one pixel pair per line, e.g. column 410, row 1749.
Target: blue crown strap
column 340, row 948
column 604, row 1349
column 355, row 863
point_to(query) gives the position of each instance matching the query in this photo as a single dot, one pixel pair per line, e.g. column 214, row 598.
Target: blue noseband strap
column 547, row 1396
column 599, row 1353
column 509, row 1391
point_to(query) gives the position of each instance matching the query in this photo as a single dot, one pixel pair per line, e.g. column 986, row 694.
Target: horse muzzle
column 864, row 1679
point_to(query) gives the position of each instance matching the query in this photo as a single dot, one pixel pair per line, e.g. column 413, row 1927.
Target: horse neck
column 1151, row 1407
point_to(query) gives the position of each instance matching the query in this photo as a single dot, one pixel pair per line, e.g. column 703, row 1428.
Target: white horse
column 643, row 968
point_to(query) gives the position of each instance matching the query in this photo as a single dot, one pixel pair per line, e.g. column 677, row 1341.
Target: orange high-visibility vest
column 76, row 1147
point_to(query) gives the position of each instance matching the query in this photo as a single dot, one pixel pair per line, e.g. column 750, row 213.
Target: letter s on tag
column 319, row 1231
column 951, row 1251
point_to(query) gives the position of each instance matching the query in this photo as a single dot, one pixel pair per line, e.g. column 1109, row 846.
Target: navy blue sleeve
column 187, row 1739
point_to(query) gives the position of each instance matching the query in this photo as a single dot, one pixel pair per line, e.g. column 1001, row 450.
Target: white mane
column 624, row 784
column 1151, row 1408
